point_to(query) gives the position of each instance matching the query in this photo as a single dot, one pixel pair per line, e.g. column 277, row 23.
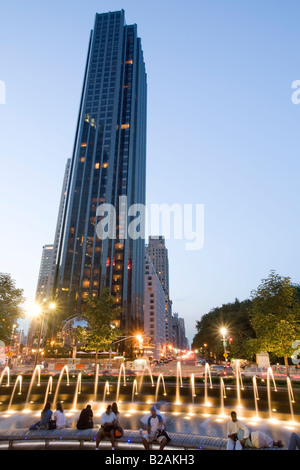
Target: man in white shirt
column 108, row 422
column 233, row 426
column 155, row 424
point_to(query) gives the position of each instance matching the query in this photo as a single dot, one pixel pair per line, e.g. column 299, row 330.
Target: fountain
column 222, row 396
column 77, row 391
column 193, row 387
column 239, row 383
column 36, row 371
column 291, row 397
column 96, row 382
column 146, row 368
column 48, row 389
column 207, row 373
column 160, row 378
column 270, row 374
column 122, row 368
column 184, row 401
column 65, row 370
column 134, row 390
column 18, row 381
column 178, row 379
column 7, row 372
column 256, row 396
column 106, row 391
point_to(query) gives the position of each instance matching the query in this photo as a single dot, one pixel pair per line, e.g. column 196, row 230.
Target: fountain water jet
column 270, row 374
column 193, row 387
column 207, row 373
column 122, row 368
column 134, row 390
column 142, row 377
column 160, row 378
column 256, row 396
column 65, row 369
column 105, row 391
column 37, row 370
column 48, row 389
column 77, row 391
column 178, row 378
column 96, row 382
column 7, row 372
column 19, row 380
column 222, row 396
column 239, row 383
column 291, row 396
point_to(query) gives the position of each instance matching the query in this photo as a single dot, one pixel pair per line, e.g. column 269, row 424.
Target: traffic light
column 230, row 340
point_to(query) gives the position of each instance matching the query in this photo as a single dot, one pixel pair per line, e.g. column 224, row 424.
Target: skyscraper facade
column 154, row 320
column 44, row 292
column 108, row 166
column 158, row 254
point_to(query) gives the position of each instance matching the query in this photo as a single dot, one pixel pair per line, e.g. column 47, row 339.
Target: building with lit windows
column 154, row 320
column 43, row 290
column 158, row 254
column 108, row 166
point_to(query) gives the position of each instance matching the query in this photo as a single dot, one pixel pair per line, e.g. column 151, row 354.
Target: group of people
column 110, row 426
column 47, row 416
column 239, row 437
column 238, row 434
column 109, row 421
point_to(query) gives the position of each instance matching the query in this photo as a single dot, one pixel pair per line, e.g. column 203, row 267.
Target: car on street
column 254, row 371
column 221, row 371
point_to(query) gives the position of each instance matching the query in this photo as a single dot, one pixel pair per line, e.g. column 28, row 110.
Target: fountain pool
column 194, row 406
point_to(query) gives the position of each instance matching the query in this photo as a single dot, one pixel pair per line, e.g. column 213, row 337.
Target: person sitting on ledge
column 108, row 423
column 45, row 418
column 294, row 441
column 85, row 419
column 233, row 426
column 155, row 424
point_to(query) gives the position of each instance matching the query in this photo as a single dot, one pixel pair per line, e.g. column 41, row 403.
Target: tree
column 235, row 317
column 275, row 316
column 10, row 310
column 101, row 315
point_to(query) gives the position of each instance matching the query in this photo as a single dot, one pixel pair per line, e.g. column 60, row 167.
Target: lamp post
column 224, row 339
column 40, row 312
column 138, row 337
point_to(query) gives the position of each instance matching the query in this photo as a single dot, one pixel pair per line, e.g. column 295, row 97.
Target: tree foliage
column 10, row 310
column 267, row 322
column 101, row 315
column 275, row 315
column 235, row 318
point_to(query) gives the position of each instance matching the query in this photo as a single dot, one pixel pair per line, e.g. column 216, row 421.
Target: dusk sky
column 222, row 131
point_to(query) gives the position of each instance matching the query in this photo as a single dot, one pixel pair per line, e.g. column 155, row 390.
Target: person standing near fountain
column 233, row 427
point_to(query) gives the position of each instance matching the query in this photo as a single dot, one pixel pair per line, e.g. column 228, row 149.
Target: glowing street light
column 223, row 332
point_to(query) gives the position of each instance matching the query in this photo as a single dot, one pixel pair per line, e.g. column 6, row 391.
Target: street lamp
column 139, row 337
column 223, row 332
column 38, row 311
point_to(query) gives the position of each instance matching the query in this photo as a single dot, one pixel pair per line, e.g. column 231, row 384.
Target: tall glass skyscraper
column 108, row 166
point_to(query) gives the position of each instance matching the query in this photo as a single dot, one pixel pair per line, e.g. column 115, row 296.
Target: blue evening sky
column 222, row 131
